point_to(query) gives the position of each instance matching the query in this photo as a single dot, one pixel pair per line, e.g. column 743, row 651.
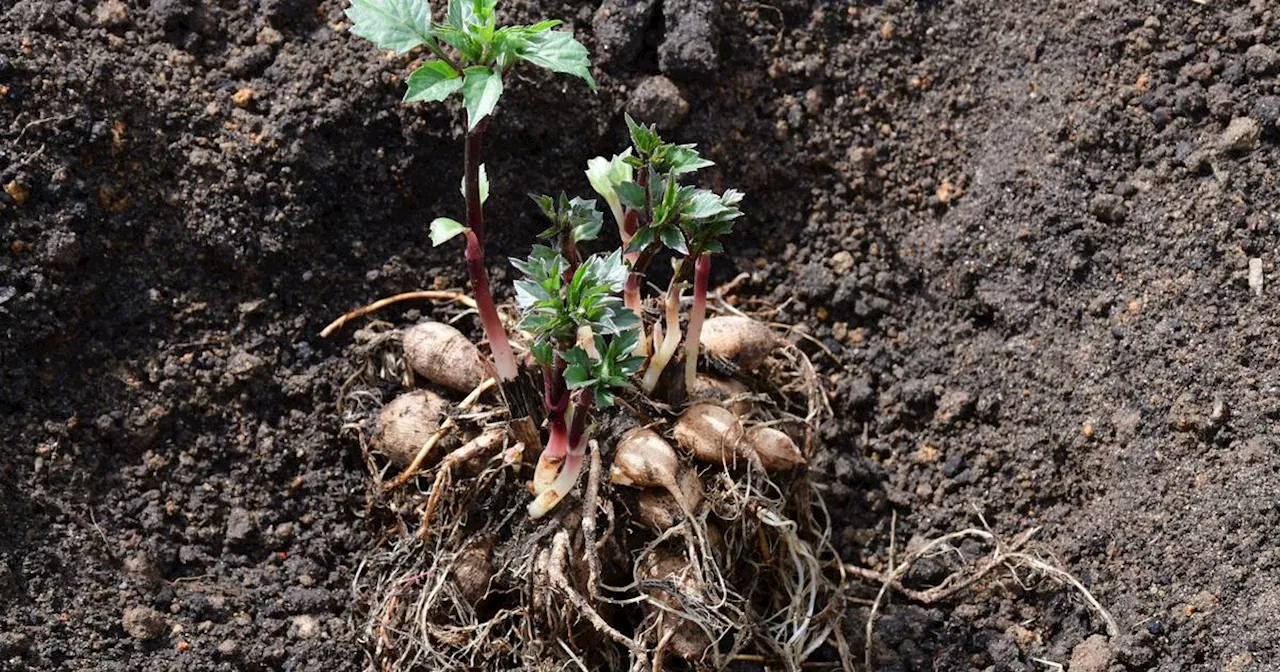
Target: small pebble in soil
column 111, row 14
column 243, row 97
column 1241, row 135
column 657, row 100
column 143, row 623
column 1261, row 60
column 1109, row 208
column 1255, row 275
column 1091, row 655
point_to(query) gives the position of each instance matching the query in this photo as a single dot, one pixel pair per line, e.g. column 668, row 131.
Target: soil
column 1023, row 230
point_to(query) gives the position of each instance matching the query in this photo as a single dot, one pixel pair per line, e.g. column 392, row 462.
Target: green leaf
column 481, row 88
column 443, row 229
column 558, row 51
column 631, row 195
column 645, row 138
column 399, row 25
column 703, row 204
column 642, row 239
column 432, row 82
column 674, row 239
column 683, row 159
column 456, row 38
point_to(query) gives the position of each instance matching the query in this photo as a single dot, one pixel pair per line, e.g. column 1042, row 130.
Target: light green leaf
column 484, row 185
column 444, row 229
column 481, row 89
column 399, row 25
column 556, row 50
column 433, row 82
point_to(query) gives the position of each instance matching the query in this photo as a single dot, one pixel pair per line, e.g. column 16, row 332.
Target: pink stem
column 503, row 358
column 701, row 272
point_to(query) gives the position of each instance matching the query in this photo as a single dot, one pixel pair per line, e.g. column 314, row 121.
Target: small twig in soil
column 487, row 441
column 474, row 396
column 430, row 295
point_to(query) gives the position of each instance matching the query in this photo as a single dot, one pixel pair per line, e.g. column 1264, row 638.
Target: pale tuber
column 775, row 449
column 741, row 340
column 406, row 424
column 713, row 434
column 444, row 356
column 721, row 390
column 658, row 510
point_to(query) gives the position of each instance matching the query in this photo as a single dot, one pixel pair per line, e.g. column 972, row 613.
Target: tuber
column 405, row 425
column 675, row 587
column 710, row 388
column 658, row 510
column 443, row 356
column 775, row 450
column 713, row 434
column 741, row 340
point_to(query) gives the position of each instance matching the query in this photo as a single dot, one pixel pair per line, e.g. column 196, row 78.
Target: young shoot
column 584, row 340
column 471, row 55
column 684, row 219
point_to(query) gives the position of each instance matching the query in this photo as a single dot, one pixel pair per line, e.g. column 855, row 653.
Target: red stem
column 693, row 338
column 503, row 358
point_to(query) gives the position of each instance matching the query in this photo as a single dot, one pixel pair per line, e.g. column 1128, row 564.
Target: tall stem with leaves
column 482, row 55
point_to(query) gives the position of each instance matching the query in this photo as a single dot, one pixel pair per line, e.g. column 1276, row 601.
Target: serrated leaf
column 644, row 138
column 588, row 230
column 674, row 239
column 684, row 159
column 462, row 14
column 432, row 82
column 444, row 229
column 558, row 51
column 399, row 25
column 464, row 43
column 481, row 88
column 642, row 239
column 703, row 204
column 631, row 195
column 529, row 293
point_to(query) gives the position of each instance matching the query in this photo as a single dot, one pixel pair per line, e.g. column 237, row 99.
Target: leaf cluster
column 579, row 219
column 683, row 218
column 484, row 52
column 558, row 313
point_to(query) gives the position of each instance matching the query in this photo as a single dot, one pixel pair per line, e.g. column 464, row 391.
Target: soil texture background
column 1023, row 230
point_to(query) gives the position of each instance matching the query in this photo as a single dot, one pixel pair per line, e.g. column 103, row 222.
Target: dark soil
column 1023, row 228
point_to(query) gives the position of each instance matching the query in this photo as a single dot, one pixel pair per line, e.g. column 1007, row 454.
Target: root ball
column 741, row 339
column 405, row 425
column 443, row 356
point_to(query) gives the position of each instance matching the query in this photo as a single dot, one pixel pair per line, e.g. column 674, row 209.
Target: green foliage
column 484, row 52
column 398, row 25
column 610, row 371
column 579, row 218
column 554, row 310
column 444, row 229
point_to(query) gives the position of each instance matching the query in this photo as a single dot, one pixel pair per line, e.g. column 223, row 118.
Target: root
column 429, row 295
column 590, row 503
column 1010, row 556
column 559, row 558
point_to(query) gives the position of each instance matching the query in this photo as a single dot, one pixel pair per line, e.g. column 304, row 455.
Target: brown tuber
column 659, row 511
column 443, row 356
column 473, row 569
column 685, row 640
column 405, row 425
column 775, row 450
column 644, row 459
column 713, row 434
column 711, row 388
column 741, row 340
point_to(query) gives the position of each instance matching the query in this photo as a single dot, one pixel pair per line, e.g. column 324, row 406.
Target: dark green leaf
column 481, row 89
column 683, row 159
column 471, row 50
column 631, row 195
column 444, row 229
column 558, row 51
column 432, row 82
column 642, row 239
column 703, row 204
column 643, row 137
column 399, row 25
column 674, row 239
